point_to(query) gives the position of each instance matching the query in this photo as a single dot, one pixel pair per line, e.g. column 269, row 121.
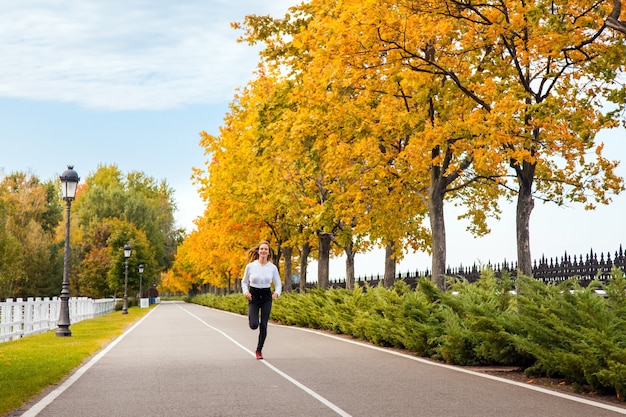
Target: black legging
column 261, row 301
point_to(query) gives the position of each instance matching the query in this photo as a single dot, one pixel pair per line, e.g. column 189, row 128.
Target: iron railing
column 549, row 270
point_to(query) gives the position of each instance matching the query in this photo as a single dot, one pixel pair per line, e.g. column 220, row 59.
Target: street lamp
column 69, row 184
column 127, row 251
column 140, row 281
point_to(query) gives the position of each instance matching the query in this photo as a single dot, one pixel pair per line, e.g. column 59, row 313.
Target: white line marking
column 303, row 387
column 45, row 401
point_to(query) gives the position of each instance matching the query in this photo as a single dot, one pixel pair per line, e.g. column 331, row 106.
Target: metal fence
column 21, row 317
column 549, row 270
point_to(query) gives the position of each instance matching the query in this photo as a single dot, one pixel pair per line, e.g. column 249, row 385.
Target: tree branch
column 613, row 20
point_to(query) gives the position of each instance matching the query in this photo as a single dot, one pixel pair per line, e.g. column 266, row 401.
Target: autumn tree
column 242, row 185
column 30, row 255
column 366, row 114
column 209, row 256
column 485, row 87
column 9, row 256
column 106, row 206
column 333, row 153
column 540, row 74
column 304, row 182
column 410, row 129
column 171, row 284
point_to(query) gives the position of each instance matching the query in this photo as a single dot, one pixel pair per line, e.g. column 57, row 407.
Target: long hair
column 253, row 253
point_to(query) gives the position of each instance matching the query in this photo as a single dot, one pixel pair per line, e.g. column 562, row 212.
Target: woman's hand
column 249, row 296
column 275, row 296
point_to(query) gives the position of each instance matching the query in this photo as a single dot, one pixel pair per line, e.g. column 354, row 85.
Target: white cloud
column 133, row 54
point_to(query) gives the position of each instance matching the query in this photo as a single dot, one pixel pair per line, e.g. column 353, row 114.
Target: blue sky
column 130, row 82
column 134, row 82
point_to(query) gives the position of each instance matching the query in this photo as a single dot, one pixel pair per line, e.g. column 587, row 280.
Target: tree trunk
column 277, row 255
column 349, row 268
column 390, row 265
column 438, row 230
column 323, row 260
column 525, row 205
column 613, row 21
column 287, row 253
column 304, row 262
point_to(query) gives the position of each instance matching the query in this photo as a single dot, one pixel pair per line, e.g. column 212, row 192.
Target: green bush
column 574, row 333
column 477, row 324
column 235, row 303
column 119, row 304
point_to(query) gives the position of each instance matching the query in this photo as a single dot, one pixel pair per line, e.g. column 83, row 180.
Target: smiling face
column 264, row 251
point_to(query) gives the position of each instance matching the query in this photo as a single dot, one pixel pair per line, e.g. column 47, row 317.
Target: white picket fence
column 19, row 318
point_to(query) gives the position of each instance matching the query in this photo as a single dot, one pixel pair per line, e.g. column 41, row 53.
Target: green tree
column 123, row 233
column 138, row 199
column 135, row 207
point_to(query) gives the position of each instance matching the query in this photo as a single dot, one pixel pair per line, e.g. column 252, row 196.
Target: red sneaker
column 258, row 354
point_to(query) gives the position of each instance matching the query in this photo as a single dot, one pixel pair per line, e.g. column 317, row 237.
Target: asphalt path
column 187, row 360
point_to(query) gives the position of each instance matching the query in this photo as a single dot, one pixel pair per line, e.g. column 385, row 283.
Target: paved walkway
column 186, row 360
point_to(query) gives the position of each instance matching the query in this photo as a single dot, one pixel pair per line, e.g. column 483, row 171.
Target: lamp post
column 69, row 184
column 140, row 281
column 127, row 251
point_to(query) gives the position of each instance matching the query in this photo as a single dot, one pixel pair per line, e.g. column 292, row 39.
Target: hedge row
column 563, row 331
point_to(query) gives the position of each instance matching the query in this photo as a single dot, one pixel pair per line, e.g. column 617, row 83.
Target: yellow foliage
column 361, row 109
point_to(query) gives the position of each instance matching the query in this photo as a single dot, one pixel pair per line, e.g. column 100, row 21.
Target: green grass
column 31, row 364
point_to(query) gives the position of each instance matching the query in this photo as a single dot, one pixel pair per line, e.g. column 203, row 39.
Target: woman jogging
column 258, row 277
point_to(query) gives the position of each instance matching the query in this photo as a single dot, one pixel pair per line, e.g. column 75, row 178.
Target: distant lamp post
column 69, row 184
column 140, row 281
column 127, row 251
